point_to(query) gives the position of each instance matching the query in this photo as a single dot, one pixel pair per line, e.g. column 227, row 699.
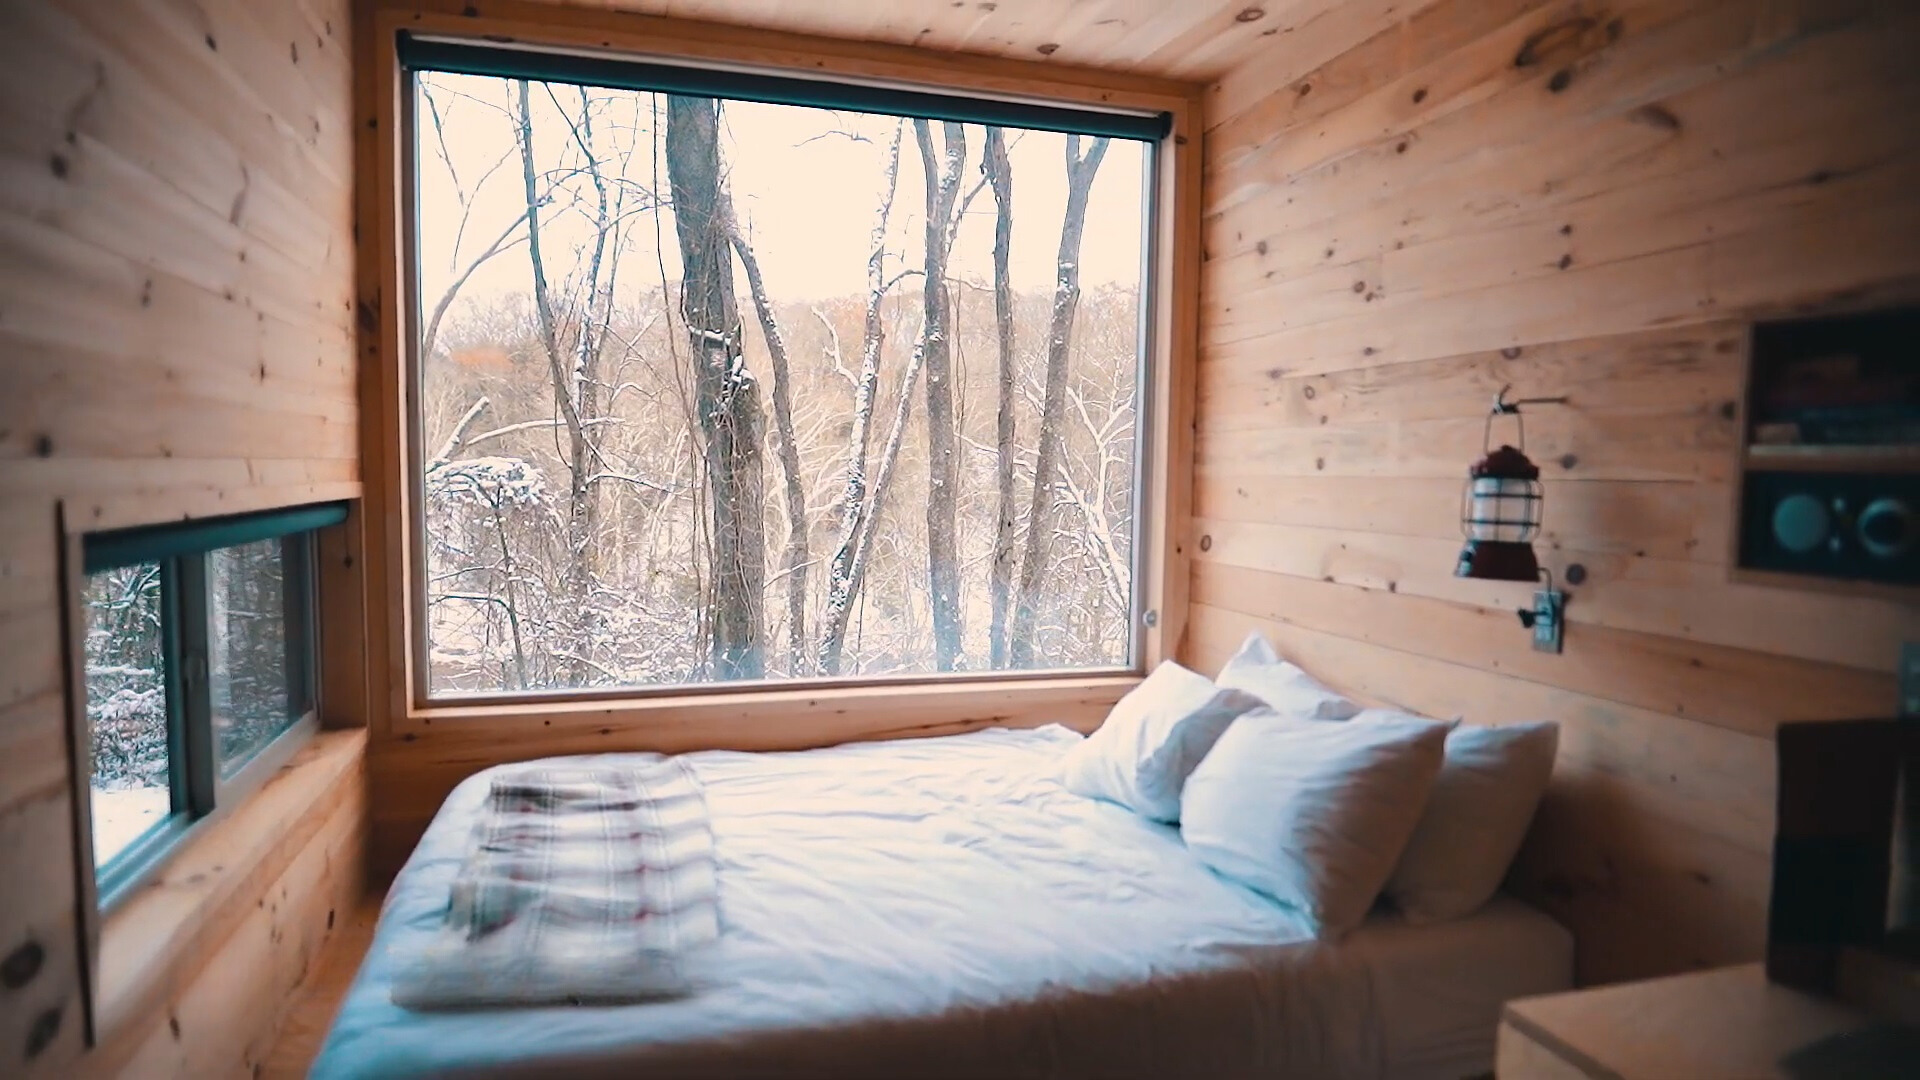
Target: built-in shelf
column 1846, row 459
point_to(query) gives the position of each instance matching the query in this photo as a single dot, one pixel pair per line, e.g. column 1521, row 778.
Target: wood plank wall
column 1412, row 204
column 176, row 253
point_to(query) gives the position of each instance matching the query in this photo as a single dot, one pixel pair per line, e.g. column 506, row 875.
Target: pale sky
column 807, row 194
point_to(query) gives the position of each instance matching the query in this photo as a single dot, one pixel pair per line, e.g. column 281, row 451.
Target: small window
column 198, row 661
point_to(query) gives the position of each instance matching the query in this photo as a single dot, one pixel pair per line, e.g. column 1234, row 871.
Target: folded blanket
column 585, row 886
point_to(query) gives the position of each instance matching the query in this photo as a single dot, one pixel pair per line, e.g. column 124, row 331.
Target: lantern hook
column 1503, row 407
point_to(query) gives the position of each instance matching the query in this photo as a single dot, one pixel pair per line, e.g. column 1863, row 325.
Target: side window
column 198, row 673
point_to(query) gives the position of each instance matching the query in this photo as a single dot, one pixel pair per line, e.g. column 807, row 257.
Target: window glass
column 125, row 669
column 722, row 390
column 249, row 679
column 198, row 654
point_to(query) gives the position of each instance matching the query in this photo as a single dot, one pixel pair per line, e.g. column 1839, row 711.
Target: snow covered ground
column 119, row 817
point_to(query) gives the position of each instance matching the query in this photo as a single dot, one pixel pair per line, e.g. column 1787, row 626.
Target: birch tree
column 942, row 183
column 1081, row 169
column 726, row 395
column 849, row 556
column 1000, row 175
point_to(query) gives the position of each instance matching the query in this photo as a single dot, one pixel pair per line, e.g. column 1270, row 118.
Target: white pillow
column 1258, row 670
column 1314, row 815
column 1475, row 820
column 1141, row 755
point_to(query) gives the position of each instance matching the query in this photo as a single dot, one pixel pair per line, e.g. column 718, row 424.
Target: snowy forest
column 729, row 391
column 250, row 697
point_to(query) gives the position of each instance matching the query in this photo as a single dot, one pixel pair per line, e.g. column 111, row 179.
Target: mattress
column 945, row 907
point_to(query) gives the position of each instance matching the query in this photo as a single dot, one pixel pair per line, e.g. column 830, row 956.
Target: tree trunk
column 726, row 396
column 578, row 583
column 589, row 344
column 943, row 560
column 1000, row 175
column 795, row 561
column 842, row 578
column 1066, row 298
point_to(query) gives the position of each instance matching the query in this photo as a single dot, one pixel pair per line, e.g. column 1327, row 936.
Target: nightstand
column 1728, row 1022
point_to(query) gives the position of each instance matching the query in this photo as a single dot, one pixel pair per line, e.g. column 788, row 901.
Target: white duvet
column 945, row 907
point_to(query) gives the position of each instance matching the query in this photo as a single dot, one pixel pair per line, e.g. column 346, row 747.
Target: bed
column 944, row 907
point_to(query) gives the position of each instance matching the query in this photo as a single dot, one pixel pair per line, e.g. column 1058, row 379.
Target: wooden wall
column 1412, row 204
column 176, row 255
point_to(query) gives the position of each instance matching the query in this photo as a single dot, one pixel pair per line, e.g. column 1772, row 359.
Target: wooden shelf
column 1875, row 590
column 1850, row 459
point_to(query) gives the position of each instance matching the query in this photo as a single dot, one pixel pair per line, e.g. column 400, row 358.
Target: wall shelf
column 1846, row 459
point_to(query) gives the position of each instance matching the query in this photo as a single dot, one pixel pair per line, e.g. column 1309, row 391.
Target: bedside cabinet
column 1728, row 1022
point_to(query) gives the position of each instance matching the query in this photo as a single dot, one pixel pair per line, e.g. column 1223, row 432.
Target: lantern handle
column 1503, row 407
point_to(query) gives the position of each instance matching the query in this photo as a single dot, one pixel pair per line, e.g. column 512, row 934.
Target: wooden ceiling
column 1186, row 39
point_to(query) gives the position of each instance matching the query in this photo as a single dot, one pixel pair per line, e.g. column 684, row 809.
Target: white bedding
column 945, row 907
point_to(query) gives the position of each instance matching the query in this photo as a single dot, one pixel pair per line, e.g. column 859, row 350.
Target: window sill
column 774, row 718
column 155, row 939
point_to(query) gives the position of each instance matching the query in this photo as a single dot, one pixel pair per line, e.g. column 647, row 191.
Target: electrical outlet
column 1910, row 680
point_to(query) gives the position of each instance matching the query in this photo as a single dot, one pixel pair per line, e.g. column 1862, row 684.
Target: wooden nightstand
column 1729, row 1022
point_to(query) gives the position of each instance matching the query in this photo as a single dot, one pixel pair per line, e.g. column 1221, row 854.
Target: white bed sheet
column 945, row 907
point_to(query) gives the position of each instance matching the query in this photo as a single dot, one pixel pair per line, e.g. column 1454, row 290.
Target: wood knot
column 1655, row 116
column 1420, row 95
column 1560, row 81
column 41, row 1035
column 1206, row 543
column 1544, row 41
column 1048, row 49
column 22, row 964
column 1252, row 14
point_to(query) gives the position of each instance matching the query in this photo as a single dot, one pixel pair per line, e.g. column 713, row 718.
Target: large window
column 197, row 657
column 714, row 389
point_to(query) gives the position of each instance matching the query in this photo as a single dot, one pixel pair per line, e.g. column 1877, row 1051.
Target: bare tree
column 794, row 563
column 565, row 387
column 504, row 241
column 726, row 395
column 1000, row 175
column 847, row 557
column 1081, row 169
column 942, row 182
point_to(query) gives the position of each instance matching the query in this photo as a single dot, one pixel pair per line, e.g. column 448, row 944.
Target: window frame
column 394, row 443
column 199, row 794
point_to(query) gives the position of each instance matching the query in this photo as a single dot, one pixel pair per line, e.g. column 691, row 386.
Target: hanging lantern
column 1500, row 509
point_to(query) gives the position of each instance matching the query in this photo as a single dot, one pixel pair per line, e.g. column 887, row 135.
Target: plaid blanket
column 586, row 885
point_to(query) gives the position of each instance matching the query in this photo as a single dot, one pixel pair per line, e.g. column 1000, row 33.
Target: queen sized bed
column 945, row 907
